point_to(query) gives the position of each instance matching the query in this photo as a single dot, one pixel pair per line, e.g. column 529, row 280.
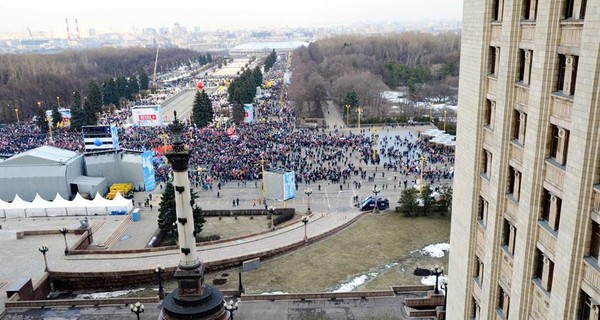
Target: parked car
column 369, row 204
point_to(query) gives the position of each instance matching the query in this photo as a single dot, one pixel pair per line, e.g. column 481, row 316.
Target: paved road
column 183, row 103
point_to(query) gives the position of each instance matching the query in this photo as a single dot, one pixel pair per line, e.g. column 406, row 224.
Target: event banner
column 148, row 167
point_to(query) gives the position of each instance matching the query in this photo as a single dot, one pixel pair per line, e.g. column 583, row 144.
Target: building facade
column 526, row 214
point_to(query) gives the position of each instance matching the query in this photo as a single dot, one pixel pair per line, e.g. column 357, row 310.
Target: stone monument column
column 192, row 299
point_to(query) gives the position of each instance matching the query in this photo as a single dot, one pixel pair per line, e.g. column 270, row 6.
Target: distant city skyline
column 117, row 15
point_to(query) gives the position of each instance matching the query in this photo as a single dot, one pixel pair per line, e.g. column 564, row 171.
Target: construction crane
column 77, row 29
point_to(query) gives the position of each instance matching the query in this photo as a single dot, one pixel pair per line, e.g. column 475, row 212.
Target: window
column 482, row 213
column 474, row 309
column 595, row 241
column 567, row 74
column 478, row 271
column 559, row 145
column 494, row 60
column 529, row 9
column 514, row 183
column 524, row 72
column 509, row 233
column 587, row 308
column 490, row 113
column 487, row 164
column 519, row 126
column 551, row 210
column 574, row 9
column 544, row 270
column 503, row 302
column 497, row 10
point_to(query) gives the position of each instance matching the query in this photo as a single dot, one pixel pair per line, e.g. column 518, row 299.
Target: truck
column 125, row 189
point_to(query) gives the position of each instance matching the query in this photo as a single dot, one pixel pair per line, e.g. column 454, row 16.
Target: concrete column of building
column 577, row 4
column 505, row 304
column 511, row 238
column 500, row 9
column 517, row 186
column 488, row 163
column 553, row 214
column 532, row 9
column 492, row 114
column 497, row 59
column 566, row 89
column 527, row 67
column 546, row 273
column 522, row 127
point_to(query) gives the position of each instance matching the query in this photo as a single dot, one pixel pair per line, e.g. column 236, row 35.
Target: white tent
column 40, row 207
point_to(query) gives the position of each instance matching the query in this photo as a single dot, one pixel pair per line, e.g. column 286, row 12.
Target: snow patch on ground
column 437, row 250
column 275, row 292
column 349, row 286
column 103, row 295
column 430, row 281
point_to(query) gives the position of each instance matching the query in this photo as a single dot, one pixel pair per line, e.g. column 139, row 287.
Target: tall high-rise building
column 526, row 214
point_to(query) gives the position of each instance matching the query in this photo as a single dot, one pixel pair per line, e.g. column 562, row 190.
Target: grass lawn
column 366, row 247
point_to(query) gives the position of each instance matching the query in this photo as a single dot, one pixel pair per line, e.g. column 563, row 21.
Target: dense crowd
column 230, row 153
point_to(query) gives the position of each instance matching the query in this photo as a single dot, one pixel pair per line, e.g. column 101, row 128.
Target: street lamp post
column 359, row 111
column 308, row 192
column 445, row 284
column 137, row 308
column 376, row 191
column 305, row 221
column 271, row 213
column 437, row 271
column 58, row 101
column 421, row 175
column 17, row 113
column 348, row 114
column 264, row 191
column 374, row 144
column 64, row 232
column 445, row 114
column 231, row 307
column 44, row 249
column 159, row 271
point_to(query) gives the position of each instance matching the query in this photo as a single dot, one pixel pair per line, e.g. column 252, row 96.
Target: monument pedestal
column 193, row 299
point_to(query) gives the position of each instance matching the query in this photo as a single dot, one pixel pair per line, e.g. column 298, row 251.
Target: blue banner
column 289, row 185
column 148, row 167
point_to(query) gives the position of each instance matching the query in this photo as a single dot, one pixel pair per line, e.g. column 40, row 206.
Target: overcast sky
column 119, row 15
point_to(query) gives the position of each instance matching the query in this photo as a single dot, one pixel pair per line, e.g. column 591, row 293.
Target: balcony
column 480, row 245
column 516, row 153
column 591, row 273
column 488, row 138
column 570, row 33
column 521, row 96
column 485, row 186
column 492, row 84
column 496, row 32
column 528, row 32
column 547, row 239
column 562, row 108
column 555, row 174
column 512, row 207
column 506, row 270
column 541, row 301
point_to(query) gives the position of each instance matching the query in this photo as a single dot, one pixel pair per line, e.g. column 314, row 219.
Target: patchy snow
column 110, row 294
column 430, row 281
column 275, row 292
column 349, row 286
column 436, row 250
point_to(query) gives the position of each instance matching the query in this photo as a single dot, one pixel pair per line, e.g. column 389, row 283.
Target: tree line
column 423, row 63
column 242, row 90
column 26, row 79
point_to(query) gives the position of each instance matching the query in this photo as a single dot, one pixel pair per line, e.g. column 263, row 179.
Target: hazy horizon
column 49, row 16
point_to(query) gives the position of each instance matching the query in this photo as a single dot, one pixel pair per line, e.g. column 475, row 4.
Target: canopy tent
column 40, row 207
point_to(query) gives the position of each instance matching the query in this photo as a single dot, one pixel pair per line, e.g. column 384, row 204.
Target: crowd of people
column 239, row 152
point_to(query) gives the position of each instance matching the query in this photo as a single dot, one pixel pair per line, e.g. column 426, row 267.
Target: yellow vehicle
column 125, row 189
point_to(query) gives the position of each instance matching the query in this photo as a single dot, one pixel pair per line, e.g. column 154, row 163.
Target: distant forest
column 26, row 79
column 355, row 69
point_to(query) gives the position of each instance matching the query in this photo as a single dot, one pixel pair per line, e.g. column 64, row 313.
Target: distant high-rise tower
column 526, row 213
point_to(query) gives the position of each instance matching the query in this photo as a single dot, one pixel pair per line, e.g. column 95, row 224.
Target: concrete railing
column 319, row 295
column 79, row 302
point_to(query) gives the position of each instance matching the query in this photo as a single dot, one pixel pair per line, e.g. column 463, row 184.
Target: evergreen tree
column 408, row 202
column 237, row 111
column 134, row 86
column 167, row 216
column 143, row 79
column 444, row 204
column 110, row 93
column 89, row 114
column 202, row 111
column 428, row 201
column 77, row 115
column 123, row 88
column 56, row 116
column 41, row 120
column 258, row 76
column 209, row 58
column 94, row 97
column 351, row 99
column 270, row 60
